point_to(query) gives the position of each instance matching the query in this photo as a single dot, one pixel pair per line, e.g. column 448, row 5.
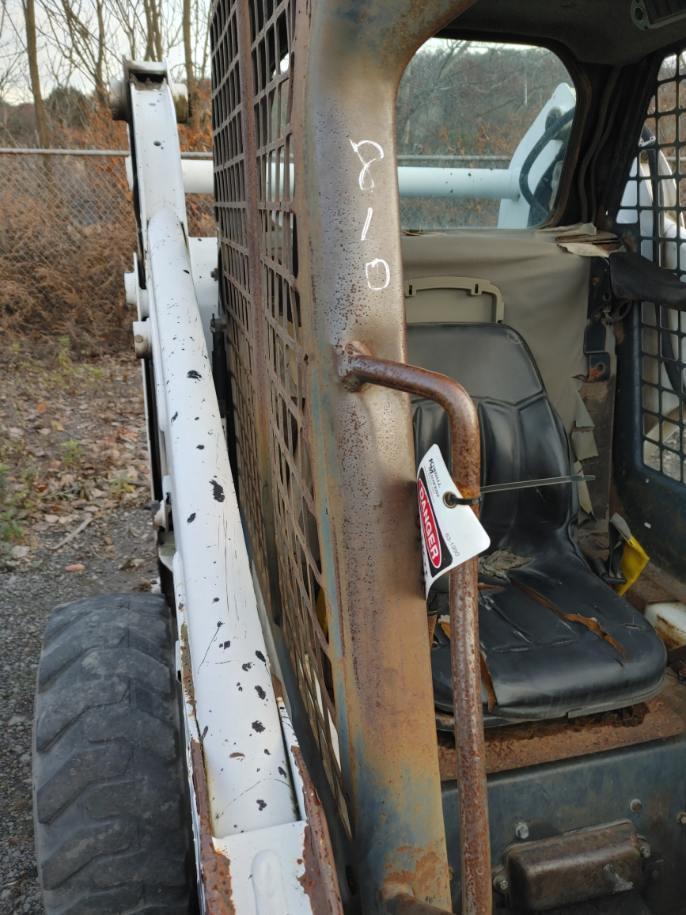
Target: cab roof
column 610, row 32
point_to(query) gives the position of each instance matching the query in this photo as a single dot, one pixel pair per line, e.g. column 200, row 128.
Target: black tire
column 110, row 801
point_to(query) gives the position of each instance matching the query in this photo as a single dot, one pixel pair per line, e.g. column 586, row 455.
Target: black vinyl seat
column 555, row 639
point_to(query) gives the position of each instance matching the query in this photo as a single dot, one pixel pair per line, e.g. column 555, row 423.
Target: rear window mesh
column 271, row 313
column 654, row 202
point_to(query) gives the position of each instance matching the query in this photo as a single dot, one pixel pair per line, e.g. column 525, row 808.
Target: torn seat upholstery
column 555, row 639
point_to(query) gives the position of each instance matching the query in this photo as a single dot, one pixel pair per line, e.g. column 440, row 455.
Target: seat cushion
column 555, row 639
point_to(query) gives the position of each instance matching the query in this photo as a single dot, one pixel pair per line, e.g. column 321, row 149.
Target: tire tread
column 112, row 826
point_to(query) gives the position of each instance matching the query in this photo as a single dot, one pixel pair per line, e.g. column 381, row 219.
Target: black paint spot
column 246, row 666
column 217, row 491
column 226, row 644
column 215, row 600
column 191, row 517
column 240, row 688
column 258, row 726
column 282, row 771
column 219, row 624
column 260, row 692
column 204, row 731
column 267, row 753
column 261, row 657
column 261, row 804
column 193, row 374
column 200, row 447
column 175, row 416
column 186, row 271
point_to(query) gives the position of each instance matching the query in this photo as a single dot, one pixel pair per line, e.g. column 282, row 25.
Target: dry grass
column 67, row 236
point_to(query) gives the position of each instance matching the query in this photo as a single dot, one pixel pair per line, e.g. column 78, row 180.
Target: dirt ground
column 75, row 519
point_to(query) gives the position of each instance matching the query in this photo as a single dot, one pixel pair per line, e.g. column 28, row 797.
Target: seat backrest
column 522, row 437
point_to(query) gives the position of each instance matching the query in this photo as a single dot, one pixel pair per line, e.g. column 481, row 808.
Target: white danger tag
column 451, row 534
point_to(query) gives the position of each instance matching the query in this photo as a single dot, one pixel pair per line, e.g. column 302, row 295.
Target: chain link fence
column 67, row 234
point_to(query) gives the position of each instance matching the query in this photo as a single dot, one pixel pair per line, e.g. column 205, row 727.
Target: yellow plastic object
column 634, row 560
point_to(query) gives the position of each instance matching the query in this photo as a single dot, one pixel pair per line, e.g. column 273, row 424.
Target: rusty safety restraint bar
column 357, row 368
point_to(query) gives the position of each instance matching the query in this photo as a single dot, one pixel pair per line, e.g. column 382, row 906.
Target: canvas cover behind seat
column 555, row 639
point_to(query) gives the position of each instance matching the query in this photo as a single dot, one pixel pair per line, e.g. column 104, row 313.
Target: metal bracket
column 599, row 305
column 356, row 368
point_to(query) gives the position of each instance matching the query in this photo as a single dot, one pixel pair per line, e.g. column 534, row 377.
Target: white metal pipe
column 236, row 711
column 131, row 287
column 417, row 181
column 198, row 176
column 489, row 183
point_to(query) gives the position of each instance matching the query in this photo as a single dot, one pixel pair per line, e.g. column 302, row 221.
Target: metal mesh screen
column 654, row 201
column 277, row 305
column 231, row 209
column 299, row 566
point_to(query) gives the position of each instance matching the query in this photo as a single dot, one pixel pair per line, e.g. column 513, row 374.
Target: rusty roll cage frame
column 348, row 61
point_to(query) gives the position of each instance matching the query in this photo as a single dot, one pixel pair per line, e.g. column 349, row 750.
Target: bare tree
column 188, row 60
column 10, row 51
column 80, row 44
column 154, row 44
column 128, row 21
column 78, row 29
column 40, row 113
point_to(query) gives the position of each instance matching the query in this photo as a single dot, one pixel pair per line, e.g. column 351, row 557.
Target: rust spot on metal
column 215, row 871
column 277, row 686
column 596, row 373
column 319, row 879
column 426, row 866
column 487, row 681
column 186, row 671
column 403, row 902
column 536, row 743
column 671, row 635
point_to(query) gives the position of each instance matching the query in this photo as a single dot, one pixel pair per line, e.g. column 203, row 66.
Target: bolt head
column 645, row 850
column 681, row 818
column 521, row 830
column 635, row 805
column 501, row 884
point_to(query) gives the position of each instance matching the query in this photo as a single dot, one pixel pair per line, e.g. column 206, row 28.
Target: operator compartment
column 526, row 313
column 503, row 311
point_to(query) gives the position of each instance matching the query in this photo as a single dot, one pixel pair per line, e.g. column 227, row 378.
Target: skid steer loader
column 418, row 450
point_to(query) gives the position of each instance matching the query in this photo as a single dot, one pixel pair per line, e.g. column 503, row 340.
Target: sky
column 52, row 42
